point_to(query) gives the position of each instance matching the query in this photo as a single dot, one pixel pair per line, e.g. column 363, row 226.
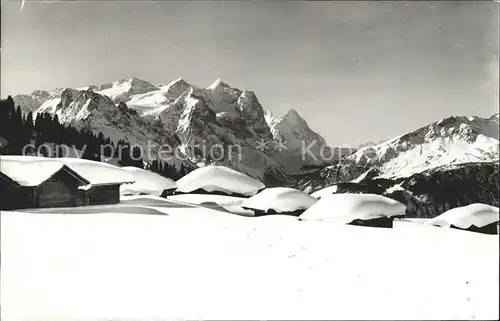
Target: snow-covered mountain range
column 250, row 139
column 449, row 141
column 190, row 119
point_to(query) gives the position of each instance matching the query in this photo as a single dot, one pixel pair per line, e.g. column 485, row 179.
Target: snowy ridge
column 38, row 99
column 87, row 109
column 440, row 145
column 122, row 90
column 451, row 140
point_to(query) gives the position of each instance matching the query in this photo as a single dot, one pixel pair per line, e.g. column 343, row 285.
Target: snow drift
column 146, row 182
column 279, row 199
column 219, row 179
column 478, row 215
column 345, row 208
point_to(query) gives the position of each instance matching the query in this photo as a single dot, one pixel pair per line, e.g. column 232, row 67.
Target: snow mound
column 476, row 214
column 325, row 191
column 219, row 179
column 146, row 182
column 33, row 170
column 280, row 199
column 345, row 208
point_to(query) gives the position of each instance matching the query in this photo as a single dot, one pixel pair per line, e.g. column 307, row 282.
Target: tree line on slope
column 434, row 191
column 23, row 134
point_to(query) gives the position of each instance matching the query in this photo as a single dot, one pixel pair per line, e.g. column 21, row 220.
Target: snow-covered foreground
column 199, row 263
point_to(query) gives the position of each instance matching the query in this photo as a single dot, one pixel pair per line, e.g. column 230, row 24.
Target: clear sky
column 356, row 71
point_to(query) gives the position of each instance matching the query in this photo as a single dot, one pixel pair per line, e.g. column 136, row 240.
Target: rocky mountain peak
column 175, row 88
column 68, row 95
column 218, row 85
column 248, row 97
column 253, row 114
column 293, row 117
column 195, row 118
column 40, row 94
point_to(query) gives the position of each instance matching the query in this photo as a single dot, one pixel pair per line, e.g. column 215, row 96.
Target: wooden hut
column 103, row 194
column 491, row 229
column 296, row 213
column 386, row 222
column 61, row 188
column 204, row 192
column 31, row 182
column 476, row 217
column 105, row 180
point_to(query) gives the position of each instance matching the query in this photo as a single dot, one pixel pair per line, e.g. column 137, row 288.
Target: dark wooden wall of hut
column 11, row 196
column 61, row 190
column 106, row 194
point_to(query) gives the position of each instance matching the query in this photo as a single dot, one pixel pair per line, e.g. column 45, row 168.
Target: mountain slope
column 87, row 109
column 450, row 141
column 436, row 190
column 453, row 140
column 208, row 138
column 35, row 100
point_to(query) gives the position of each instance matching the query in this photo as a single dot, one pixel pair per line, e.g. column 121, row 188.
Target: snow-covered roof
column 345, row 208
column 146, row 182
column 33, row 170
column 280, row 199
column 30, row 172
column 98, row 173
column 476, row 214
column 219, row 179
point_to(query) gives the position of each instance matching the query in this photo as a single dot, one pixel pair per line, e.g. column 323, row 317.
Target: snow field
column 199, row 263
